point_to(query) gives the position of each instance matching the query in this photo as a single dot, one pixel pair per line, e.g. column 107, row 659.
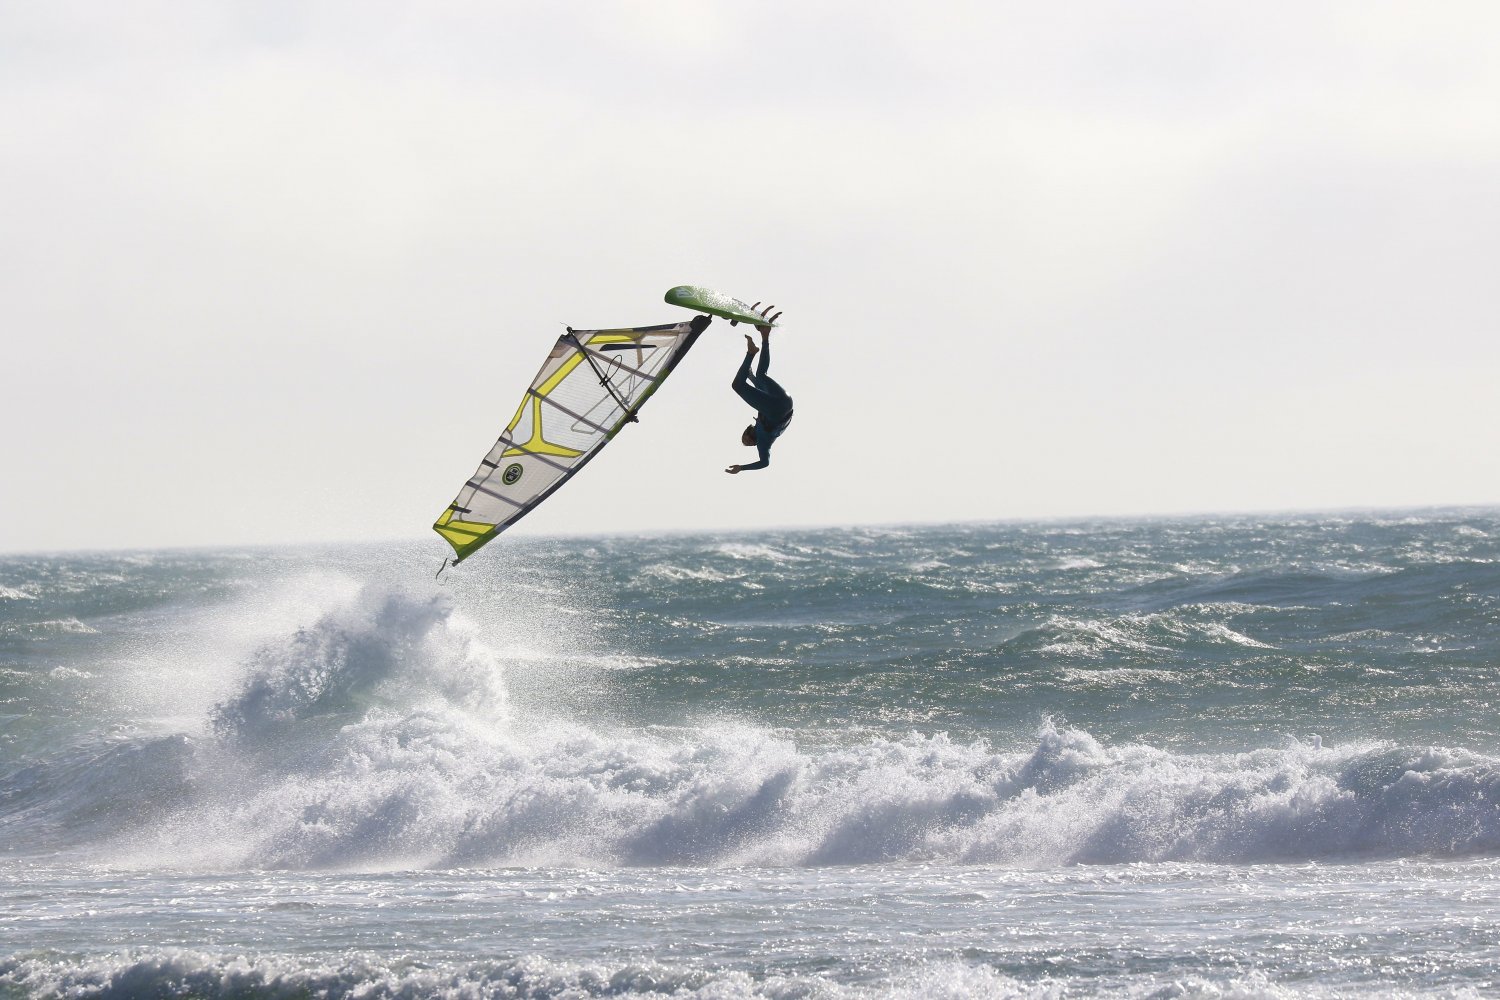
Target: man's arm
column 761, row 445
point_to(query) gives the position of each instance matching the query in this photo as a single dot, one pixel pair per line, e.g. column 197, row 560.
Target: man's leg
column 757, row 398
column 762, row 381
column 770, row 386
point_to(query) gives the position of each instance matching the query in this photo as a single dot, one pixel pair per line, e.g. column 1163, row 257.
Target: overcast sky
column 279, row 272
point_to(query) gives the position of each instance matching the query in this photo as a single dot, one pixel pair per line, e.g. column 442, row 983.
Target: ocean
column 1238, row 756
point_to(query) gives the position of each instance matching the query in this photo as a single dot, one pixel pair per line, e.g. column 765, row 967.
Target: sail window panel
column 522, row 431
column 583, row 408
column 562, row 432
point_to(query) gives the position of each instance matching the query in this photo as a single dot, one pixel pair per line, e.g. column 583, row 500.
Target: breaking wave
column 415, row 790
column 381, row 735
column 176, row 973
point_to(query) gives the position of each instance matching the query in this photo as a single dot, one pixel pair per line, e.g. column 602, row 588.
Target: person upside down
column 773, row 407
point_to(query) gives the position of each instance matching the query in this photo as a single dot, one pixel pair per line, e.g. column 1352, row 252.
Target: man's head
column 748, row 438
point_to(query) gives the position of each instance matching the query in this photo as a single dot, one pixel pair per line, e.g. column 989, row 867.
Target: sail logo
column 511, row 474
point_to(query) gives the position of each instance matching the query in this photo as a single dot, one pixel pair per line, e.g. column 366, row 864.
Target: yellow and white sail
column 591, row 385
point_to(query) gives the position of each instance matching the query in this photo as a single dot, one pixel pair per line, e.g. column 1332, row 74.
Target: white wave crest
column 1093, row 639
column 744, row 551
column 675, row 574
column 69, row 626
column 429, row 788
column 183, row 973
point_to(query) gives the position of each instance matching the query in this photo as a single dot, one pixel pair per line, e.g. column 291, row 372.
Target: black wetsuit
column 773, row 407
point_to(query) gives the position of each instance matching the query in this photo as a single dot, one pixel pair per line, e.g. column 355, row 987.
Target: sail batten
column 589, row 393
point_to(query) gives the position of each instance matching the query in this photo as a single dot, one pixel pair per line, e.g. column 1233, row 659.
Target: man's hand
column 733, row 470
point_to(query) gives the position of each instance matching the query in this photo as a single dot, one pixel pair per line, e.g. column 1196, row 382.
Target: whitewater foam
column 188, row 973
column 424, row 788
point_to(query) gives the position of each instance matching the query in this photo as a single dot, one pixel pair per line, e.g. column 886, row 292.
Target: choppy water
column 1209, row 757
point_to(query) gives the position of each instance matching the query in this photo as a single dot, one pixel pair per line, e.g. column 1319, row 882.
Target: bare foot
column 750, row 347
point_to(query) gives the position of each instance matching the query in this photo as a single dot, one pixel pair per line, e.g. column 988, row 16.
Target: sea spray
column 348, row 660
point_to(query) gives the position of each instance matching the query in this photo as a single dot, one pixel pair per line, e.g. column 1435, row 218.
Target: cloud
column 278, row 271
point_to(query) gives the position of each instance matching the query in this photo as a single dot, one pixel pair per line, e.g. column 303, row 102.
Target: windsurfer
column 773, row 407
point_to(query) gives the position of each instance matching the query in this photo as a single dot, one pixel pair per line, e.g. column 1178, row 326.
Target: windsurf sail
column 592, row 384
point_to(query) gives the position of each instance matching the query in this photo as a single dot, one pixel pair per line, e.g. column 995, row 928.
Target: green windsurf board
column 707, row 300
